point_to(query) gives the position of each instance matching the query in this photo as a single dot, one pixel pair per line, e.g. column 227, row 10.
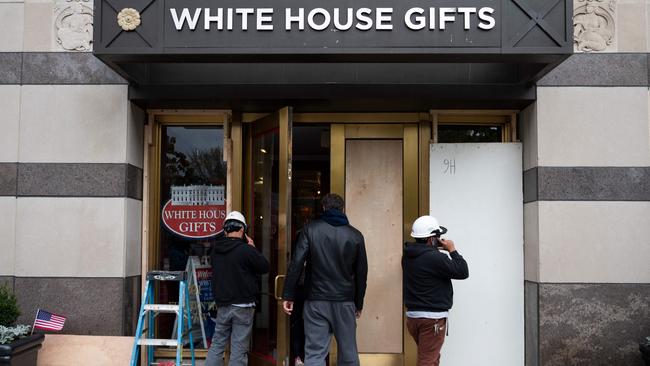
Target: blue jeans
column 234, row 324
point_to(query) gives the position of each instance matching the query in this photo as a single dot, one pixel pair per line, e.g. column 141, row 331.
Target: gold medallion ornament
column 128, row 19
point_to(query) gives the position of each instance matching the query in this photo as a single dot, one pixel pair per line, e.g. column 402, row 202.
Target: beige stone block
column 632, row 26
column 9, row 121
column 133, row 231
column 73, row 123
column 593, row 126
column 66, row 350
column 531, row 241
column 38, row 27
column 70, row 237
column 594, row 242
column 11, row 26
column 7, row 235
column 135, row 136
column 529, row 135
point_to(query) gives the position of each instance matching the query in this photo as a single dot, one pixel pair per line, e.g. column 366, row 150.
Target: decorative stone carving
column 593, row 25
column 128, row 19
column 74, row 24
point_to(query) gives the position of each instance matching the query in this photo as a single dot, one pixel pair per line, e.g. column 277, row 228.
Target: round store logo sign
column 193, row 221
column 195, row 211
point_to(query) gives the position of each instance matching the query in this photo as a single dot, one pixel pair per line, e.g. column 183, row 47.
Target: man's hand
column 447, row 245
column 357, row 313
column 249, row 240
column 287, row 306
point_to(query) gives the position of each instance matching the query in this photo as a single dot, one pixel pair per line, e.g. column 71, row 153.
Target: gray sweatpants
column 324, row 318
column 234, row 324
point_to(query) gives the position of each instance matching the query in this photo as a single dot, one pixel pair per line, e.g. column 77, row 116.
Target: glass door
column 269, row 210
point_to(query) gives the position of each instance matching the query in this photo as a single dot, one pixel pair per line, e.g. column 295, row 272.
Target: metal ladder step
column 158, row 342
column 162, row 308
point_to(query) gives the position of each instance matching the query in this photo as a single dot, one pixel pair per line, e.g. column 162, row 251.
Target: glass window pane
column 469, row 133
column 192, row 202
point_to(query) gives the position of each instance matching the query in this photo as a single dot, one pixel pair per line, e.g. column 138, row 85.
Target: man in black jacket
column 428, row 293
column 335, row 282
column 236, row 267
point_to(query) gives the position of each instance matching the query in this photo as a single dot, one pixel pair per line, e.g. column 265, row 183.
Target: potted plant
column 17, row 346
column 644, row 347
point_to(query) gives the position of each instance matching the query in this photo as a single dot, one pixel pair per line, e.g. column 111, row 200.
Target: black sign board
column 335, row 27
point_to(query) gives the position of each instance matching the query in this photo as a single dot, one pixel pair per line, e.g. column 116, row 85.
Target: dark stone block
column 67, row 68
column 132, row 293
column 600, row 69
column 593, row 183
column 10, row 67
column 93, row 306
column 593, row 324
column 133, row 182
column 8, row 175
column 531, row 314
column 72, row 180
column 530, row 185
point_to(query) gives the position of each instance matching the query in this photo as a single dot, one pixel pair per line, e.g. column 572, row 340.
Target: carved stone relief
column 74, row 24
column 593, row 25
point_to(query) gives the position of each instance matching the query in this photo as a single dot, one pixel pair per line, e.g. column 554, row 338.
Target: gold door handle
column 277, row 291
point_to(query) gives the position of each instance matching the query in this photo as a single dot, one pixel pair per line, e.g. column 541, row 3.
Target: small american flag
column 48, row 321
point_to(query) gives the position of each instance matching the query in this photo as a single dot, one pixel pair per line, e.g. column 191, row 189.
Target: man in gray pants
column 335, row 283
column 236, row 267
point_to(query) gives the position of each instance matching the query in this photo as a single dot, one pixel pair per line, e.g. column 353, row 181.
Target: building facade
column 96, row 131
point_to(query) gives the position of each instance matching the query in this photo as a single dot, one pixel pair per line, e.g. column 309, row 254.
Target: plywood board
column 373, row 191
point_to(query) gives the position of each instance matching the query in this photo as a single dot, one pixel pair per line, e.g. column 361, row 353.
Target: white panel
column 7, row 235
column 476, row 192
column 70, row 237
column 10, row 107
column 73, row 124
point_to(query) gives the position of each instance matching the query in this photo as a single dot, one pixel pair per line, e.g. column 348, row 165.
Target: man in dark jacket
column 335, row 282
column 428, row 293
column 236, row 267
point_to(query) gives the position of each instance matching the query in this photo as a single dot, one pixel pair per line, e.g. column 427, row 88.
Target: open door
column 268, row 207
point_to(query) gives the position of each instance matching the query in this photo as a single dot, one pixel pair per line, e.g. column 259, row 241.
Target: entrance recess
column 375, row 168
column 268, row 206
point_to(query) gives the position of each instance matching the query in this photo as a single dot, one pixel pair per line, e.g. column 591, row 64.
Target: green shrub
column 8, row 307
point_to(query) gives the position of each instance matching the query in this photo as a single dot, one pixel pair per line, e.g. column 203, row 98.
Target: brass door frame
column 413, row 135
column 282, row 119
column 152, row 155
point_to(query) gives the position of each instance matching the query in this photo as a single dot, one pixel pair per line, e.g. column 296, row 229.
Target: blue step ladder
column 150, row 310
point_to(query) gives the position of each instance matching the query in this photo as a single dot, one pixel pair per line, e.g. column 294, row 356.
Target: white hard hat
column 237, row 216
column 426, row 226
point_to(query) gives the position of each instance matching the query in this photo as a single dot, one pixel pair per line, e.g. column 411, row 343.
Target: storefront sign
column 319, row 19
column 337, row 24
column 195, row 211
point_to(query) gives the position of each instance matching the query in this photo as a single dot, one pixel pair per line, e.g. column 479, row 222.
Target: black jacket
column 337, row 267
column 236, row 268
column 427, row 277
